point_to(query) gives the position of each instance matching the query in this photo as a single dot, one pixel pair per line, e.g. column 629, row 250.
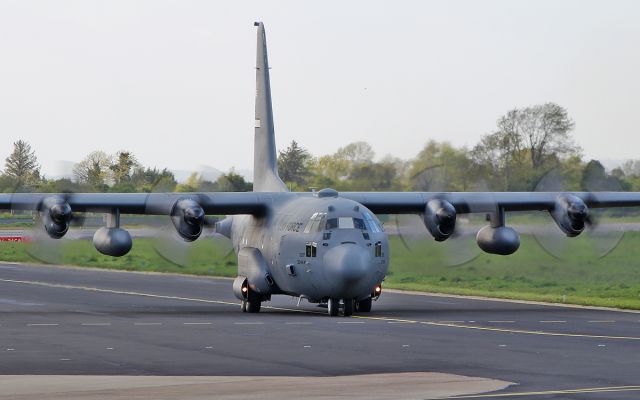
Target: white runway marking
column 248, row 323
column 502, row 322
column 553, row 322
column 147, row 323
column 372, row 318
column 351, row 322
column 196, row 323
column 602, row 322
column 95, row 323
column 401, row 322
column 43, row 324
column 298, row 323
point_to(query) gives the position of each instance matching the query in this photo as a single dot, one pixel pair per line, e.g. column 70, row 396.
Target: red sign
column 14, row 239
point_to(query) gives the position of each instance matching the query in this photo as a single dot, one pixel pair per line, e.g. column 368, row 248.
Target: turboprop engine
column 55, row 213
column 440, row 219
column 188, row 218
column 571, row 214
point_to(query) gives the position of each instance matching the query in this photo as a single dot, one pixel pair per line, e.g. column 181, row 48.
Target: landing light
column 244, row 289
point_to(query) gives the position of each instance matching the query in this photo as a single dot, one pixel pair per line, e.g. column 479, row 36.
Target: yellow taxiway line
column 550, row 392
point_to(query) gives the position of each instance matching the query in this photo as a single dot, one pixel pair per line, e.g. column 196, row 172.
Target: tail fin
column 265, row 162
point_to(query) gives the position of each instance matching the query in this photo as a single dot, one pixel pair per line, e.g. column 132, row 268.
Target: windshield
column 371, row 223
column 345, row 223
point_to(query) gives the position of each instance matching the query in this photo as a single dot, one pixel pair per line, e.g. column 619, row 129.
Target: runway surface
column 56, row 320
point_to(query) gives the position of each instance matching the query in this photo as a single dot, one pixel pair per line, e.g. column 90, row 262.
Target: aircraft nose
column 346, row 266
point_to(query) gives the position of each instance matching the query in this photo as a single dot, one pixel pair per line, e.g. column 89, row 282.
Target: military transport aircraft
column 326, row 247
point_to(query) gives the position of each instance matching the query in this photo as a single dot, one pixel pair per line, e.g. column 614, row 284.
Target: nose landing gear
column 334, row 306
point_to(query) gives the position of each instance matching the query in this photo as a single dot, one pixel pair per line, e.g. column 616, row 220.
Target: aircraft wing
column 227, row 203
column 481, row 202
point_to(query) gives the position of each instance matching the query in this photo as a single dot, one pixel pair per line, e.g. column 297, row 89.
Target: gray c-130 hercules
column 327, row 247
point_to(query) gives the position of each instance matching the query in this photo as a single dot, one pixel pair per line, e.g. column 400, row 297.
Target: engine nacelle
column 56, row 215
column 241, row 288
column 570, row 213
column 500, row 240
column 440, row 219
column 188, row 218
column 114, row 242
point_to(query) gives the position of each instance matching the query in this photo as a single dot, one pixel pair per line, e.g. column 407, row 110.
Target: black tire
column 333, row 307
column 253, row 302
column 348, row 307
column 243, row 306
column 364, row 305
column 253, row 306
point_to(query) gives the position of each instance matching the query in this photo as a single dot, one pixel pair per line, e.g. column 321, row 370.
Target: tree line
column 531, row 148
column 101, row 172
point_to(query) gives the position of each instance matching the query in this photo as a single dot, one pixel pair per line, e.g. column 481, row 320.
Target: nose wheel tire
column 333, row 307
column 243, row 306
column 364, row 305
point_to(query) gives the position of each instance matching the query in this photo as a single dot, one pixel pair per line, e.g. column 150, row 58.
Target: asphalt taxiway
column 71, row 321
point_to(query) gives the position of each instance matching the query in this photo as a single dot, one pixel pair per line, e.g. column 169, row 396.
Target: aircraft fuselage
column 314, row 247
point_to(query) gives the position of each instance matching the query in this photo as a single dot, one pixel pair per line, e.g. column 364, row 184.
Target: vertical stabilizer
column 265, row 162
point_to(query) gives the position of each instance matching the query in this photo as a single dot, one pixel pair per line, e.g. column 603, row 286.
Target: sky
column 174, row 81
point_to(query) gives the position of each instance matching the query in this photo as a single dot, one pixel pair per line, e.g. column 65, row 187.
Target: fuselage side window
column 311, row 249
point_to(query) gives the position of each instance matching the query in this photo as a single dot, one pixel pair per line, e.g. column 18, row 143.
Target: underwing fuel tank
column 501, row 240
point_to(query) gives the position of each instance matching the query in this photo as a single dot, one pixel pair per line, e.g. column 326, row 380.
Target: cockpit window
column 358, row 223
column 316, row 223
column 345, row 223
column 371, row 223
column 332, row 223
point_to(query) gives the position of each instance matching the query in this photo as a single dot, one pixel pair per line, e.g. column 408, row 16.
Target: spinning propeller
column 575, row 219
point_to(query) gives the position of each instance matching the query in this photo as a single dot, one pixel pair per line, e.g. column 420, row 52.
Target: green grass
column 529, row 274
column 142, row 257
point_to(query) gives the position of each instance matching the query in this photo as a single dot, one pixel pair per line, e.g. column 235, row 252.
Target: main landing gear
column 252, row 303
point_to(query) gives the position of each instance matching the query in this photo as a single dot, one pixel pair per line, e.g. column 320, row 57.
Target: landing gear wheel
column 243, row 306
column 253, row 302
column 364, row 305
column 348, row 307
column 333, row 306
column 253, row 306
